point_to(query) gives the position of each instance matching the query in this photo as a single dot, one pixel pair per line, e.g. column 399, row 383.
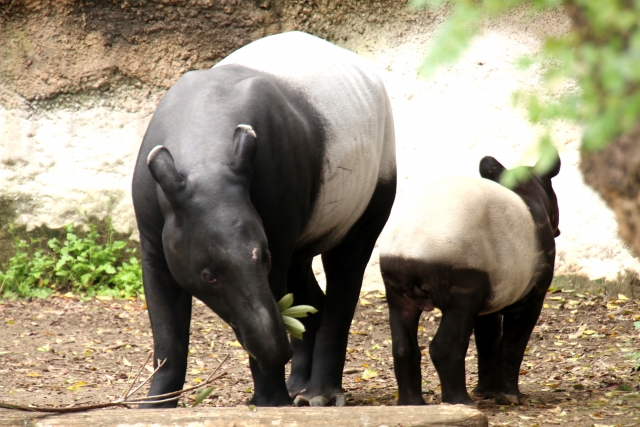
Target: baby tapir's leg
column 404, row 314
column 516, row 330
column 467, row 294
column 488, row 330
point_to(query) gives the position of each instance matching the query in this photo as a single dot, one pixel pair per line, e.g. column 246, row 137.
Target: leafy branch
column 591, row 76
column 290, row 315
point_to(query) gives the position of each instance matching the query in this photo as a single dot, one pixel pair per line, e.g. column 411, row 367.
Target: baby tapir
column 484, row 255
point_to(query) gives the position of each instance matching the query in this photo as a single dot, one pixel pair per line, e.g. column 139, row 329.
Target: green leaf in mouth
column 299, row 311
column 289, row 315
column 285, row 302
column 294, row 326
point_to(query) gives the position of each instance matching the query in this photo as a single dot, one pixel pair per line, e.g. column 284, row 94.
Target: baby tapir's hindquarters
column 413, row 286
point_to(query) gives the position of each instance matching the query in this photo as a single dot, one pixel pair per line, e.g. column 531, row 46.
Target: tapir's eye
column 207, row 276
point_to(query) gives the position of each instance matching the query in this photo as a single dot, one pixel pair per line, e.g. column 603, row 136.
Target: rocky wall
column 614, row 172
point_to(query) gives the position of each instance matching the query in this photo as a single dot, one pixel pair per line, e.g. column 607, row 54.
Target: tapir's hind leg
column 344, row 266
column 487, row 330
column 305, row 288
column 467, row 293
column 404, row 317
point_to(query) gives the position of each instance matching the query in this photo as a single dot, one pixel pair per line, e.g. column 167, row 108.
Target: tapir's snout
column 254, row 316
column 260, row 330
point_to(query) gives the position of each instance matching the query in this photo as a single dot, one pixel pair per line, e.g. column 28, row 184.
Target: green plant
column 591, row 75
column 27, row 274
column 291, row 314
column 77, row 263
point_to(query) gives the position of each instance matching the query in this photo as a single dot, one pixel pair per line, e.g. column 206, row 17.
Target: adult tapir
column 482, row 254
column 282, row 151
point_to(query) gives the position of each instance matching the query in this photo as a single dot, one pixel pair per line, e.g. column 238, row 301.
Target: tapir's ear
column 491, row 169
column 245, row 145
column 554, row 159
column 163, row 170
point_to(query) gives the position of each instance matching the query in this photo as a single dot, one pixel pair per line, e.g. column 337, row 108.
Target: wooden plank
column 354, row 416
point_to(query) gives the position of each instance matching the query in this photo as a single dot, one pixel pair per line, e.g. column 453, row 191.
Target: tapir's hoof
column 483, row 394
column 319, row 401
column 296, row 385
column 508, row 399
column 300, row 400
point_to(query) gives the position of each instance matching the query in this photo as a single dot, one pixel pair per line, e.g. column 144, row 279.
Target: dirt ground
column 64, row 351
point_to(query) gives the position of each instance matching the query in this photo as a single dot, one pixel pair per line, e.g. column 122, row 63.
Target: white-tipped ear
column 155, row 150
column 245, row 145
column 248, row 129
column 163, row 169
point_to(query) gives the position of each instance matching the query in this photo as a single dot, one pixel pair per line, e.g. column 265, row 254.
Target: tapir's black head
column 537, row 191
column 216, row 248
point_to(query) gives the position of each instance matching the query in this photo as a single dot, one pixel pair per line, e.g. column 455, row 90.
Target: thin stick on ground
column 124, row 390
column 209, row 379
column 160, row 365
column 125, row 394
column 125, row 401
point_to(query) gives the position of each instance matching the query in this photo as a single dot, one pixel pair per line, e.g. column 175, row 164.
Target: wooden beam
column 352, row 416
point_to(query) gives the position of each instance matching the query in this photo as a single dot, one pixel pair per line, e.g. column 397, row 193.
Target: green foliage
column 77, row 263
column 452, row 40
column 203, row 394
column 291, row 314
column 591, row 75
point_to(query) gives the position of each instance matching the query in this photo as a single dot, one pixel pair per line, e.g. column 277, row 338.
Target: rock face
column 614, row 172
column 79, row 81
column 68, row 46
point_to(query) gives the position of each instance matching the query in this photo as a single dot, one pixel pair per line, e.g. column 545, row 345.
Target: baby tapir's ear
column 554, row 160
column 163, row 169
column 245, row 145
column 491, row 169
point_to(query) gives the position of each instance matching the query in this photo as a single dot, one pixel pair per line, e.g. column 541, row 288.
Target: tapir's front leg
column 269, row 387
column 488, row 330
column 516, row 330
column 404, row 315
column 305, row 288
column 170, row 314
